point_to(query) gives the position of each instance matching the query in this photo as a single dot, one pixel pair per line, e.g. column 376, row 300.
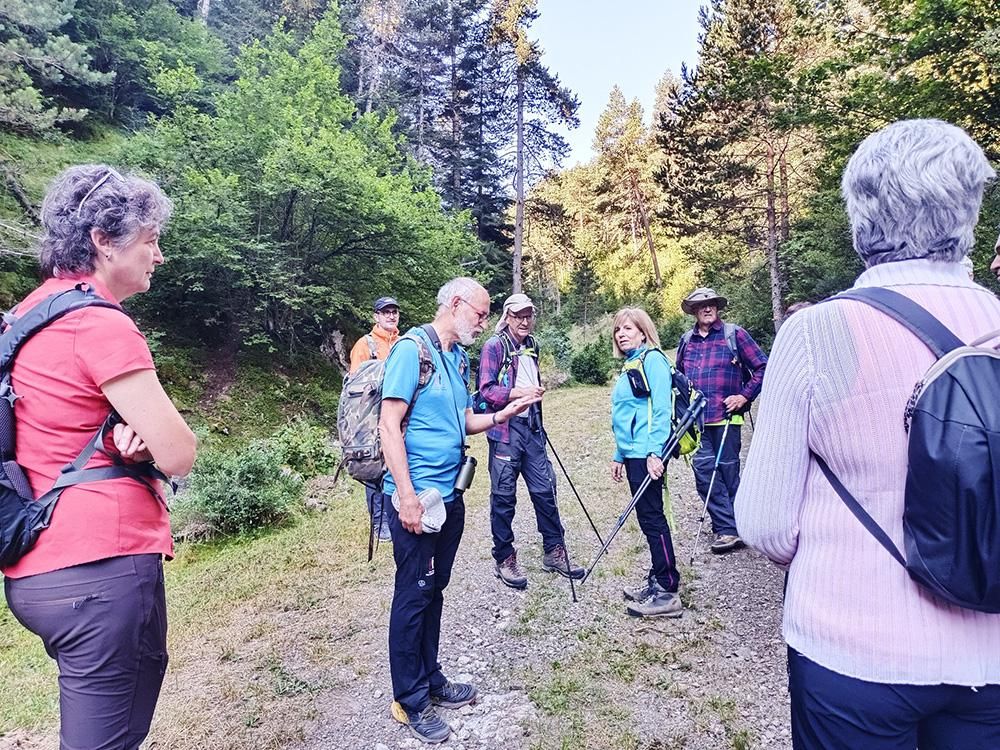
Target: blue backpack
column 951, row 514
column 22, row 517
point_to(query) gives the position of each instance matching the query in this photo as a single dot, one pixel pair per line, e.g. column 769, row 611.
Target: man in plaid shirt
column 508, row 369
column 723, row 362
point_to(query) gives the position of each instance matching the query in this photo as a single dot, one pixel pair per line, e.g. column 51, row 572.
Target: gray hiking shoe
column 660, row 603
column 425, row 725
column 455, row 695
column 638, row 593
column 510, row 572
column 725, row 543
column 556, row 561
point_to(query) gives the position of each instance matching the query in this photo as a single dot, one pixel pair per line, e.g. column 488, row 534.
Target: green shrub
column 555, row 342
column 305, row 448
column 593, row 363
column 236, row 491
column 672, row 329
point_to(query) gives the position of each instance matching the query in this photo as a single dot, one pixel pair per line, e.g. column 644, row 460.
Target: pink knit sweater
column 837, row 383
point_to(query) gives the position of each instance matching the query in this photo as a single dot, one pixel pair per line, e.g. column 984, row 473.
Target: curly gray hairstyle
column 92, row 196
column 463, row 287
column 913, row 190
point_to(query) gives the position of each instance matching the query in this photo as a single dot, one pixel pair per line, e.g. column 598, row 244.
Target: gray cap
column 699, row 297
column 515, row 303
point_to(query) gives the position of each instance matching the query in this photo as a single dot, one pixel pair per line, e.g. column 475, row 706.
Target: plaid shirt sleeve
column 497, row 395
column 755, row 360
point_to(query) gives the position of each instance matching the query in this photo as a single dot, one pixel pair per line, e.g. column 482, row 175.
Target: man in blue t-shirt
column 429, row 457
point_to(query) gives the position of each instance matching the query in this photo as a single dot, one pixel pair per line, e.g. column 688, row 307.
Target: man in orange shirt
column 376, row 345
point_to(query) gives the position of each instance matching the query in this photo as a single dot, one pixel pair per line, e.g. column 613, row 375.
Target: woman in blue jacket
column 641, row 406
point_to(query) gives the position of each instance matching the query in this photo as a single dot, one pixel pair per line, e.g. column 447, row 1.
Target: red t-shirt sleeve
column 108, row 344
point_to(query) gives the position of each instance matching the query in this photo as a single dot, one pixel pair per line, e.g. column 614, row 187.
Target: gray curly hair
column 913, row 190
column 95, row 196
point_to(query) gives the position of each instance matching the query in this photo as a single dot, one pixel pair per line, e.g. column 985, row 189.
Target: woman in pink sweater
column 875, row 661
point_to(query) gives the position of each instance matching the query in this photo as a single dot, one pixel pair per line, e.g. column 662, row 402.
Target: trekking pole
column 711, row 483
column 552, row 484
column 573, row 487
column 689, row 418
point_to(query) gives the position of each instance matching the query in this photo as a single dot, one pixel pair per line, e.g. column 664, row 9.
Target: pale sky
column 594, row 44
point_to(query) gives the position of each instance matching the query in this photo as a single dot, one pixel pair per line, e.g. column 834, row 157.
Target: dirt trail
column 301, row 663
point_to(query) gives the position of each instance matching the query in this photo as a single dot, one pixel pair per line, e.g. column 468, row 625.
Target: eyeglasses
column 107, row 176
column 523, row 317
column 389, row 311
column 483, row 316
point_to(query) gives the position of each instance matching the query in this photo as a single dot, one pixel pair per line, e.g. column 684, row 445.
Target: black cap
column 383, row 302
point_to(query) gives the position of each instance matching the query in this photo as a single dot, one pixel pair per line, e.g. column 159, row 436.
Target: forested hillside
column 321, row 154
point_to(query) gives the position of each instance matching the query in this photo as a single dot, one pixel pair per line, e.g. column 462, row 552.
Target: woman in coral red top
column 92, row 585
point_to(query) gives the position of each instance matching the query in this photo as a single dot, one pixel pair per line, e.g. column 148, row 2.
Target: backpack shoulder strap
column 685, row 340
column 859, row 512
column 935, row 334
column 729, row 331
column 47, row 311
column 372, row 349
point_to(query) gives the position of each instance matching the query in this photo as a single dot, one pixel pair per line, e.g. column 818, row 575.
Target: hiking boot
column 725, row 543
column 638, row 593
column 455, row 695
column 660, row 603
column 384, row 534
column 510, row 572
column 556, row 561
column 425, row 725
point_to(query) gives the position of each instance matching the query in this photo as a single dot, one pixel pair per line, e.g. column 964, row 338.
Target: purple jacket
column 494, row 389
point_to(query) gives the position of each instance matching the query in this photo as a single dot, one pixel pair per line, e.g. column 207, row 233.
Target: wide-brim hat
column 699, row 297
column 435, row 511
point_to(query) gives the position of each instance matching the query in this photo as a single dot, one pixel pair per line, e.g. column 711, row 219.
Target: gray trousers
column 105, row 624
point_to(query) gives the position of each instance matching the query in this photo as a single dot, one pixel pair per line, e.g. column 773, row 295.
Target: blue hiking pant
column 524, row 456
column 834, row 712
column 423, row 570
column 105, row 624
column 376, row 503
column 727, row 480
column 649, row 513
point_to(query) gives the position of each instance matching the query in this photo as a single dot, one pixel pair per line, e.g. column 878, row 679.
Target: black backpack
column 951, row 513
column 22, row 517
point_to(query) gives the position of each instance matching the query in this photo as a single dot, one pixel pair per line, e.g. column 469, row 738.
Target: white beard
column 465, row 332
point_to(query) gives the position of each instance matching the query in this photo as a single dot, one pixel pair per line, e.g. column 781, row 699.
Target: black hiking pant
column 523, row 456
column 423, row 570
column 652, row 521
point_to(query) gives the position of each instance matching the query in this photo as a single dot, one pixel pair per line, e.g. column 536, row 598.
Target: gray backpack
column 360, row 409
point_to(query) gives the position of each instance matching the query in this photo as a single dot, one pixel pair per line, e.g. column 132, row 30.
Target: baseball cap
column 383, row 302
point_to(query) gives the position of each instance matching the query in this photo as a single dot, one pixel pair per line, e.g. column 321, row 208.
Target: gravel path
column 299, row 660
column 557, row 674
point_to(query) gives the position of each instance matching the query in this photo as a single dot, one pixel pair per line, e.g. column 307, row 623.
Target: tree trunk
column 644, row 217
column 783, row 187
column 519, row 186
column 13, row 186
column 772, row 243
column 456, row 123
column 203, row 6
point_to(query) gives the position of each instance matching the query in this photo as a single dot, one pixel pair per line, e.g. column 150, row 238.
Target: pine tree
column 537, row 100
column 35, row 57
